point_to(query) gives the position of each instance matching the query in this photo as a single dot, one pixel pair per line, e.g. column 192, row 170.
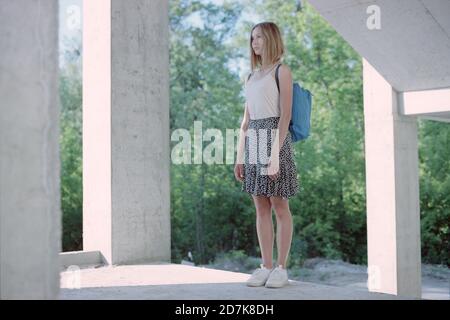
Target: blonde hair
column 273, row 45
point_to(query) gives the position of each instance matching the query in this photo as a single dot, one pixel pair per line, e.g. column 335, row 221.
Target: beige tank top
column 262, row 96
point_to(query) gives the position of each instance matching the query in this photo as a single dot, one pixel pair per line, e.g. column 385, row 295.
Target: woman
column 271, row 180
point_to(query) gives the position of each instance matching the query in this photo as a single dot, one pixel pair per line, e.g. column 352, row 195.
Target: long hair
column 273, row 45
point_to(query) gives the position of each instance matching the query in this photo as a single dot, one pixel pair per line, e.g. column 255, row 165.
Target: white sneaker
column 278, row 278
column 259, row 277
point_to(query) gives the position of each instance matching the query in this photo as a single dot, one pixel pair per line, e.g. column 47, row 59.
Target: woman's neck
column 266, row 66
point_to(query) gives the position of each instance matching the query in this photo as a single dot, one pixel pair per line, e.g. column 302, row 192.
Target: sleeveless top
column 262, row 96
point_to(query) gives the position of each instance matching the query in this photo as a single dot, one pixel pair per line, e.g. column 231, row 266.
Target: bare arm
column 242, row 132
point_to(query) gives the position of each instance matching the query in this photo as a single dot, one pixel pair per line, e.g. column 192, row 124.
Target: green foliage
column 298, row 252
column 71, row 158
column 434, row 155
column 208, row 214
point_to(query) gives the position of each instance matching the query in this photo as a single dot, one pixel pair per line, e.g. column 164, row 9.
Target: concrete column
column 30, row 214
column 392, row 188
column 126, row 156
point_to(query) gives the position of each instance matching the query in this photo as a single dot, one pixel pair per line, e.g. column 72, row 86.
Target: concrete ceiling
column 412, row 48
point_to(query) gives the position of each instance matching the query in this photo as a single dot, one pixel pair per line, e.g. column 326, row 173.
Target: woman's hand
column 273, row 168
column 239, row 172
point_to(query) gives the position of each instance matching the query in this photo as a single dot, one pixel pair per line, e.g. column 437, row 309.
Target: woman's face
column 257, row 41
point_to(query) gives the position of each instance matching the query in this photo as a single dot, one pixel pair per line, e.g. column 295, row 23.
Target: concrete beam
column 428, row 104
column 80, row 259
column 392, row 189
column 411, row 46
column 30, row 214
column 126, row 156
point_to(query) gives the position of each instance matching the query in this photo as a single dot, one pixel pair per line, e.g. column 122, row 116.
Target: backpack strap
column 276, row 77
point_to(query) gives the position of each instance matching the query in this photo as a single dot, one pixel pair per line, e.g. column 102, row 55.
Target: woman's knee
column 263, row 205
column 280, row 205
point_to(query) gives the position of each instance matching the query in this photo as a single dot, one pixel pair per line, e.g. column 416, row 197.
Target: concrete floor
column 165, row 281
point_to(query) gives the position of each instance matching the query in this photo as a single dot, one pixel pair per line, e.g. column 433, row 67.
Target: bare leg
column 264, row 227
column 284, row 228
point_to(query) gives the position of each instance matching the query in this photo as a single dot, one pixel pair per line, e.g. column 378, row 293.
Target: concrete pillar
column 392, row 188
column 126, row 150
column 30, row 214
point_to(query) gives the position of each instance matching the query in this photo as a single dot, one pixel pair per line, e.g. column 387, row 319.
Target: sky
column 71, row 21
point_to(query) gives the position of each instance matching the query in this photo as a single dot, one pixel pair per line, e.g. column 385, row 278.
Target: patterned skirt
column 258, row 143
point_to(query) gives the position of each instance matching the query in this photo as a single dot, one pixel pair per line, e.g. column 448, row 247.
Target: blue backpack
column 301, row 111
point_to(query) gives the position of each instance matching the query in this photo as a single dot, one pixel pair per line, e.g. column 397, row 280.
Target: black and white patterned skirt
column 258, row 143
